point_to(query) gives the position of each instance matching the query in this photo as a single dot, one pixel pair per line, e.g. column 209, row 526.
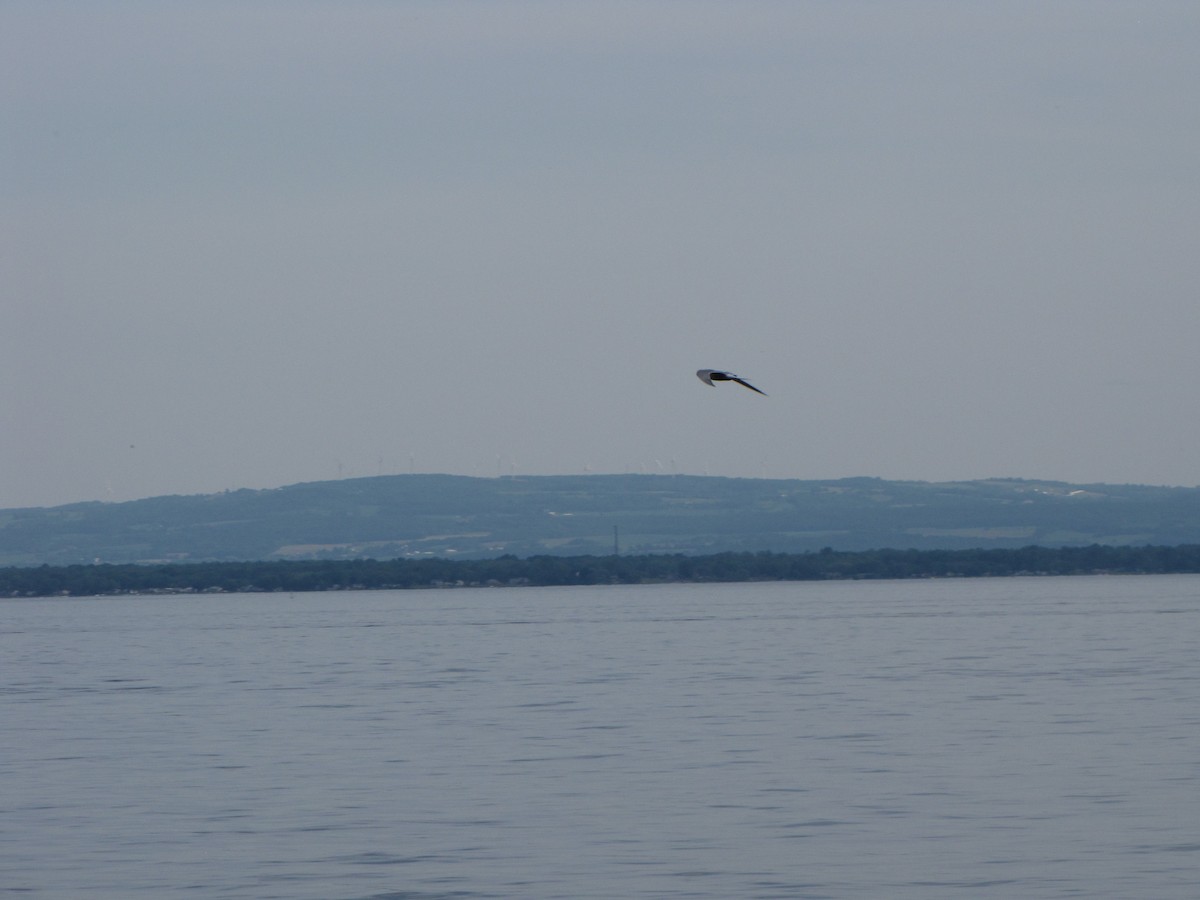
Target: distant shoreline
column 548, row 571
column 411, row 517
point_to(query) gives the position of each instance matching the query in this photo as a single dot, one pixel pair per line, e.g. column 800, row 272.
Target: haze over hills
column 470, row 518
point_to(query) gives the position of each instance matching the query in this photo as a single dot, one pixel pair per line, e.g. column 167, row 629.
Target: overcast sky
column 248, row 244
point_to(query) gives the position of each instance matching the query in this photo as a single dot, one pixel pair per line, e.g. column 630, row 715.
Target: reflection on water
column 991, row 738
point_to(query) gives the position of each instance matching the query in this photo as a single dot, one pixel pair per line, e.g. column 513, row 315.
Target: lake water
column 993, row 738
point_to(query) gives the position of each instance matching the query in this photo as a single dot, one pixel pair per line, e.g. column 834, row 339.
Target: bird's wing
column 706, row 375
column 749, row 385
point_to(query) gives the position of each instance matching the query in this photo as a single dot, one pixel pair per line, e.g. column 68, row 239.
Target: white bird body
column 711, row 376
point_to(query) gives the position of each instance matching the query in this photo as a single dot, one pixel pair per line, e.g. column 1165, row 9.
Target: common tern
column 708, row 376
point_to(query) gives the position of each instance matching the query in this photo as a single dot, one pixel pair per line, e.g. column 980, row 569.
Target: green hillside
column 417, row 516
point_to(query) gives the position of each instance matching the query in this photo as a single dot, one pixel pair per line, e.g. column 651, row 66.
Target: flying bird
column 708, row 376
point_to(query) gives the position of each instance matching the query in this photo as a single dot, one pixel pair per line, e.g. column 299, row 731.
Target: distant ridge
column 458, row 516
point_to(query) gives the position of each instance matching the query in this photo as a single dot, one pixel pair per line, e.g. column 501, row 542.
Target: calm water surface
column 1008, row 738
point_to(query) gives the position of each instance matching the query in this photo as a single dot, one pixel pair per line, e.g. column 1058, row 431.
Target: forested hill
column 422, row 516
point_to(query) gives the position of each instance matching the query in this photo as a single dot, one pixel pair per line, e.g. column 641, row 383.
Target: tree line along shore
column 539, row 571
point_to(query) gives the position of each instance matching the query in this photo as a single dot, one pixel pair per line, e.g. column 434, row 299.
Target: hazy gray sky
column 252, row 244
